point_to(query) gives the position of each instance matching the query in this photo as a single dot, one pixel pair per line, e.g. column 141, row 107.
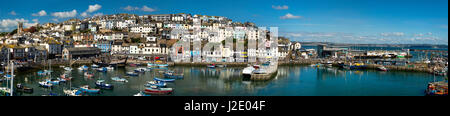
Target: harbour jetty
column 270, row 71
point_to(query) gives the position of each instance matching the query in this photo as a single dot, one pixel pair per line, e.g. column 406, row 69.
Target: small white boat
column 140, row 70
column 95, row 66
column 109, row 68
column 118, row 79
column 84, row 68
column 248, row 71
column 68, row 69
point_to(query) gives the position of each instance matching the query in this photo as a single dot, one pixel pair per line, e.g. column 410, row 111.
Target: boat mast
column 8, row 63
column 12, row 78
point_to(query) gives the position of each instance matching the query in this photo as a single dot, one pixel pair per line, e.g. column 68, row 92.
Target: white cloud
column 393, row 34
column 67, row 14
column 147, row 9
column 56, row 20
column 84, row 14
column 290, row 16
column 98, row 14
column 13, row 13
column 144, row 8
column 130, row 8
column 7, row 24
column 93, row 8
column 284, row 7
column 40, row 13
column 366, row 38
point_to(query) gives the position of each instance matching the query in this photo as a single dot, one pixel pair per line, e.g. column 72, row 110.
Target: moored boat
column 171, row 74
column 21, row 88
column 247, row 72
column 132, row 74
column 140, row 70
column 211, row 66
column 163, row 80
column 118, row 79
column 382, row 68
column 68, row 69
column 159, row 91
column 45, row 84
column 109, row 68
column 163, row 65
column 83, row 68
column 95, row 66
column 155, row 83
column 87, row 89
column 103, row 69
column 102, row 84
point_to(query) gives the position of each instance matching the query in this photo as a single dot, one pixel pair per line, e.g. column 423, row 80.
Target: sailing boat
column 46, row 83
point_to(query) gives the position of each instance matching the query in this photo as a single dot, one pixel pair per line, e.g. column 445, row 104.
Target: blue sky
column 344, row 21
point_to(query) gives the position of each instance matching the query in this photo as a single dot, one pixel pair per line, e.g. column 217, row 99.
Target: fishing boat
column 45, row 84
column 102, row 84
column 211, row 66
column 171, row 74
column 247, row 72
column 83, row 68
column 160, row 91
column 87, row 89
column 155, row 83
column 21, row 88
column 118, row 79
column 43, row 73
column 163, row 80
column 88, row 75
column 132, row 74
column 382, row 68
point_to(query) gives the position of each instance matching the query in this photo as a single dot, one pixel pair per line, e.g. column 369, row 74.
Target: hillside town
column 137, row 37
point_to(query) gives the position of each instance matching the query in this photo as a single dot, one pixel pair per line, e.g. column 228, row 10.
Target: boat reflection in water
column 228, row 81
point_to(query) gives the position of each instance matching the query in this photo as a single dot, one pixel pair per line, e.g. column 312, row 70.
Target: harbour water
column 290, row 81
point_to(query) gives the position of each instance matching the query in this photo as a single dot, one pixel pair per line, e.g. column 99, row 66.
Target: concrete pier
column 271, row 71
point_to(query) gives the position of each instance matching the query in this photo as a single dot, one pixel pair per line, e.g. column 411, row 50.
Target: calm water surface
column 290, row 81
